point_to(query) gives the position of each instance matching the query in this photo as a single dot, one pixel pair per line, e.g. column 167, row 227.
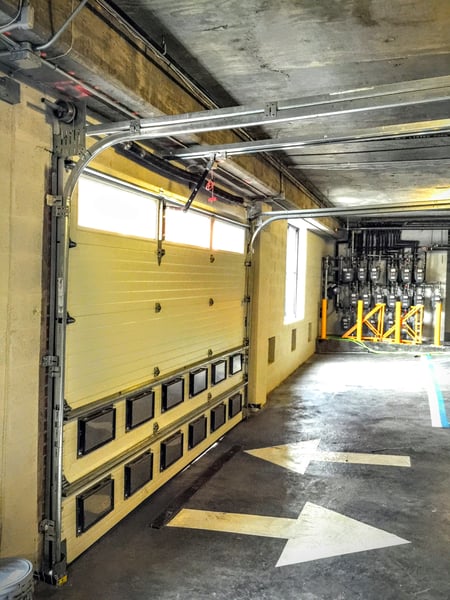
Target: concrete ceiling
column 249, row 51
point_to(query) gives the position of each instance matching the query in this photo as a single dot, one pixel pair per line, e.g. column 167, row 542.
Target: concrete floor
column 374, row 404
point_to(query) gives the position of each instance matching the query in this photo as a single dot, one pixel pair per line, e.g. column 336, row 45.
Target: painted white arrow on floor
column 297, row 456
column 317, row 533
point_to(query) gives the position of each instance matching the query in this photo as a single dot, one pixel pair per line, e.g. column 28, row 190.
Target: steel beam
column 382, row 97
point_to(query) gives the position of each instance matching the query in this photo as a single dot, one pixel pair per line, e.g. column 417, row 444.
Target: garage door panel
column 149, row 338
column 76, row 466
column 115, row 374
column 76, row 544
column 138, row 325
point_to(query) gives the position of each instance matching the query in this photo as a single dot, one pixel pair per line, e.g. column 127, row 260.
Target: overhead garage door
column 156, row 352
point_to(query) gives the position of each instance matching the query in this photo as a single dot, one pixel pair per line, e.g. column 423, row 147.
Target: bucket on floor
column 16, row 579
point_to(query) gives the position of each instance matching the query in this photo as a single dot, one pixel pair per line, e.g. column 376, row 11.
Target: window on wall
column 294, row 305
column 114, row 208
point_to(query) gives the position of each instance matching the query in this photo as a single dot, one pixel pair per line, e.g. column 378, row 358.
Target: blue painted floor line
column 435, row 398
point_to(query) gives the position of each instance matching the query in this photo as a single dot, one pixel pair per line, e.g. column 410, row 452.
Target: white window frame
column 295, row 282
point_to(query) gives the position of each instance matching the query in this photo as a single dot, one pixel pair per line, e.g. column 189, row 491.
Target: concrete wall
column 268, row 311
column 24, row 157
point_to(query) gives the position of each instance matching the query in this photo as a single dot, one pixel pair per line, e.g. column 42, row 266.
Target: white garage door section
column 155, row 361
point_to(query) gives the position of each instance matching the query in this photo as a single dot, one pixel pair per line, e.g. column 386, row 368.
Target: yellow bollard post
column 437, row 324
column 323, row 330
column 359, row 320
column 398, row 323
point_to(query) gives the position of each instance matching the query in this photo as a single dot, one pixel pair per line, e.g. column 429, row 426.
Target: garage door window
column 188, row 228
column 228, row 237
column 116, row 209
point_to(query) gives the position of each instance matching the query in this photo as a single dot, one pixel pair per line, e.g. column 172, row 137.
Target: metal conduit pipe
column 9, row 42
column 62, row 29
column 12, row 24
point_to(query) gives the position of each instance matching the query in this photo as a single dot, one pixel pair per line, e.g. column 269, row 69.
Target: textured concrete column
column 24, row 156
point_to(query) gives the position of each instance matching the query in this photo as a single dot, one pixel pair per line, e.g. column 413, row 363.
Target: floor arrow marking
column 276, row 527
column 297, row 456
column 323, row 533
column 317, row 533
column 386, row 460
